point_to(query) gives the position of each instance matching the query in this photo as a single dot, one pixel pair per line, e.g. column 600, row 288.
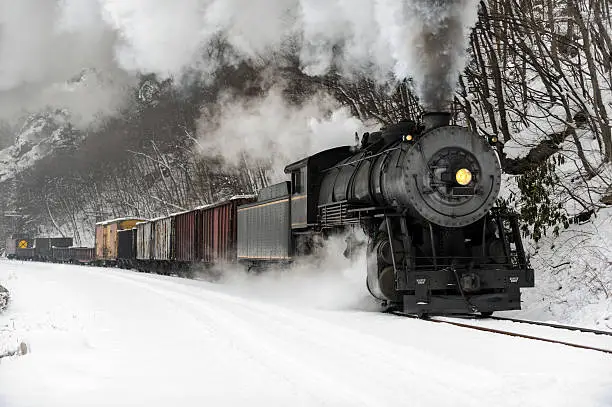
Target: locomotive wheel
column 384, row 252
column 386, row 282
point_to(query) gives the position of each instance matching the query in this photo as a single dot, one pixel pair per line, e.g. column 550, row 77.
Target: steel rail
column 507, row 333
column 551, row 325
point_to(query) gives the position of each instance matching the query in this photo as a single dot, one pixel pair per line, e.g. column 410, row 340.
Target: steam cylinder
column 421, row 175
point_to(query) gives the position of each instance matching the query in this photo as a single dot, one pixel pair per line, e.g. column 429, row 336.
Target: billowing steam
column 272, row 132
column 439, row 49
column 58, row 54
column 327, row 281
column 421, row 39
column 44, row 43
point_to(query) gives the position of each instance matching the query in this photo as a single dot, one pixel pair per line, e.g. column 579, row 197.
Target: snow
column 573, row 276
column 41, row 135
column 102, row 337
column 122, row 219
column 544, row 332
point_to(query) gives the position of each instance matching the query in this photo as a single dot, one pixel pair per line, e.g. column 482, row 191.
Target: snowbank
column 573, row 275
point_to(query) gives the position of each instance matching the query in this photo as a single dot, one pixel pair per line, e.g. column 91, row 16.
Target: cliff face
column 40, row 136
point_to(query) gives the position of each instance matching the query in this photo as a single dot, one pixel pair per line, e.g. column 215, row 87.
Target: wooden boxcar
column 144, row 234
column 204, row 235
column 107, row 243
column 162, row 239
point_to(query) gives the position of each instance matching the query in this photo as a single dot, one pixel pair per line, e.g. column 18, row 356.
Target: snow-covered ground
column 102, row 337
column 573, row 276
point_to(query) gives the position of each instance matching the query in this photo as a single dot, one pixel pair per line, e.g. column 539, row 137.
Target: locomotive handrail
column 362, row 159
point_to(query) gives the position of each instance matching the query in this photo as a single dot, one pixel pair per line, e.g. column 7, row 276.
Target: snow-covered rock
column 40, row 136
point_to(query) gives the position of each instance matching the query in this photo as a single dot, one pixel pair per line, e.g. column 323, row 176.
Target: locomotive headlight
column 463, row 176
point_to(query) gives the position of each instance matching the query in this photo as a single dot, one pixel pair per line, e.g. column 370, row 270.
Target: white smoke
column 58, row 54
column 270, row 130
column 407, row 38
column 328, row 281
column 46, row 42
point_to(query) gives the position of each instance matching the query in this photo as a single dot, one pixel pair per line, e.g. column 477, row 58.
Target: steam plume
column 421, row 39
column 270, row 130
column 46, row 42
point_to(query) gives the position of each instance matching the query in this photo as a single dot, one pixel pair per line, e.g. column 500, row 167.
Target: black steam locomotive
column 425, row 196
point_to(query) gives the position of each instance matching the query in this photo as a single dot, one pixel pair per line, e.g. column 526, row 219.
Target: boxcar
column 219, row 231
column 144, row 233
column 11, row 247
column 107, row 243
column 187, row 236
column 162, row 239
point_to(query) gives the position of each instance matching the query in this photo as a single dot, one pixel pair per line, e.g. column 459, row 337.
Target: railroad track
column 557, row 326
column 456, row 322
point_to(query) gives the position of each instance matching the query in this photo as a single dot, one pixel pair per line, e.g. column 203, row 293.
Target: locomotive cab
column 306, row 177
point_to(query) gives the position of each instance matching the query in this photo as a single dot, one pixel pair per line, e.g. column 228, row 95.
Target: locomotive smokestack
column 436, row 119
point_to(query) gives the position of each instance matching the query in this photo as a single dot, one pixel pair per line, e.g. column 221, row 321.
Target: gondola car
column 35, row 249
column 73, row 255
column 43, row 247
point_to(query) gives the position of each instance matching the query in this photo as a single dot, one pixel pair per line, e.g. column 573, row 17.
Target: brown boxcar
column 187, row 239
column 106, row 237
column 218, row 225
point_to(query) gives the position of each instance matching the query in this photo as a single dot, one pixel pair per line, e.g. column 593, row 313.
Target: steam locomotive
column 425, row 196
column 423, row 193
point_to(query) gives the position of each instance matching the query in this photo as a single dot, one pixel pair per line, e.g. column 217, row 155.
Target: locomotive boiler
column 425, row 195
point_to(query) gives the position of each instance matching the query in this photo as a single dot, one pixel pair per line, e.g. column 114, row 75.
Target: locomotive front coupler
column 469, row 280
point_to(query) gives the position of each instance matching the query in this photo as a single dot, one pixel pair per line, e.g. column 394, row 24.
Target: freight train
column 423, row 193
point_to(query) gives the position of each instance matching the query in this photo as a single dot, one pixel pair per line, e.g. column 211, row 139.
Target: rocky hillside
column 40, row 136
